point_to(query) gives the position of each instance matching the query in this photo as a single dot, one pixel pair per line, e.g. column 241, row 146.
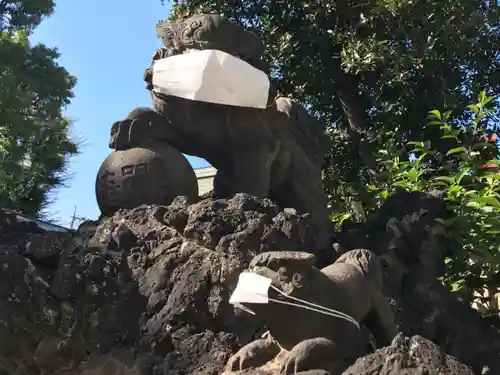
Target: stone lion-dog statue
column 276, row 152
column 302, row 340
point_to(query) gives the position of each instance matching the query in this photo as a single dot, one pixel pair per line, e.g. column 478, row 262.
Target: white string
column 320, row 309
column 333, row 312
column 317, row 310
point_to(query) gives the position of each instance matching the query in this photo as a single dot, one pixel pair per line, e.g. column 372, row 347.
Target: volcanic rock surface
column 148, row 293
column 151, row 288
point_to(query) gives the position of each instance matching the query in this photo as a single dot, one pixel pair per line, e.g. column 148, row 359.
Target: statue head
column 293, row 275
column 209, row 31
column 291, row 272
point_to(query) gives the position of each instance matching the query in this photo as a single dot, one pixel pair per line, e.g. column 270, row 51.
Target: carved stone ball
column 136, row 176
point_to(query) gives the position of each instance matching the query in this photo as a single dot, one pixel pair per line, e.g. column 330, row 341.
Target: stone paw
column 308, row 355
column 253, row 355
column 293, row 364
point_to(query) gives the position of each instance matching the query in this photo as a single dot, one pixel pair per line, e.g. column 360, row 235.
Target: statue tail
column 366, row 262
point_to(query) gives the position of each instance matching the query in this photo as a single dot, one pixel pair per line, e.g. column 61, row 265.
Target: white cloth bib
column 211, row 76
column 251, row 288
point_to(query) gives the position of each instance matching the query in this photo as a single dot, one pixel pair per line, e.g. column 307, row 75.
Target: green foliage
column 34, row 135
column 468, row 171
column 24, row 14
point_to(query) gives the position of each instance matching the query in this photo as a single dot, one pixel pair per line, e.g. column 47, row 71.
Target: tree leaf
column 449, row 180
column 456, row 151
column 461, row 174
column 417, row 144
column 474, row 108
column 436, row 114
column 434, row 122
column 491, row 201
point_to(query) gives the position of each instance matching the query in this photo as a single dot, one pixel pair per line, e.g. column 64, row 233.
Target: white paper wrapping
column 211, row 76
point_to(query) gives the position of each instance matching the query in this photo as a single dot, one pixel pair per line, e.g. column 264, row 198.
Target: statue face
column 294, row 274
column 288, row 280
column 291, row 324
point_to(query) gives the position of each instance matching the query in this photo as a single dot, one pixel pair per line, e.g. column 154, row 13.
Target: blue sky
column 106, row 45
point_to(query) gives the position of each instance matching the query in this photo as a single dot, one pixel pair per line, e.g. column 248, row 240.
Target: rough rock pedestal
column 149, row 291
column 148, row 294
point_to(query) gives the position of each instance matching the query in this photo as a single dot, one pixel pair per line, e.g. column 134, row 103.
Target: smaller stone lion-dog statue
column 275, row 152
column 301, row 340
